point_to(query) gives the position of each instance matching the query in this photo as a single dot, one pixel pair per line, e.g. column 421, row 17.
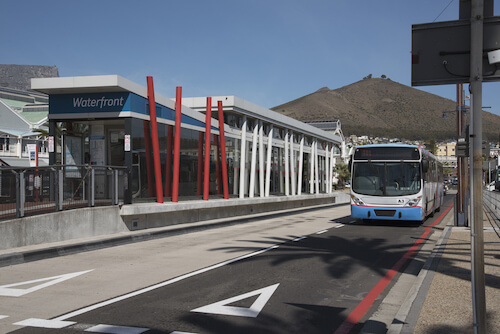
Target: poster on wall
column 97, row 145
column 73, row 156
column 97, row 152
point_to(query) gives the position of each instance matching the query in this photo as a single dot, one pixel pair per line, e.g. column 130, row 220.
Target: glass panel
column 386, row 179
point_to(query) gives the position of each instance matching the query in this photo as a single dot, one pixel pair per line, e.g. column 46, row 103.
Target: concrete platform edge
column 39, row 252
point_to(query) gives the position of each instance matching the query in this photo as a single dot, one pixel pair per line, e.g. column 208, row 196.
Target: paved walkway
column 447, row 306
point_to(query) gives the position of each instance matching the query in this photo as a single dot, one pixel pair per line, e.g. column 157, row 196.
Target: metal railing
column 491, row 200
column 34, row 190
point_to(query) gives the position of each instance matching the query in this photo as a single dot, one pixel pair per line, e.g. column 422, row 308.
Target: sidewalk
column 447, row 307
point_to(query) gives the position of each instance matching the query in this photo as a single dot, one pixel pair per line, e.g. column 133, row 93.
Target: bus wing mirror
column 425, row 165
column 349, row 164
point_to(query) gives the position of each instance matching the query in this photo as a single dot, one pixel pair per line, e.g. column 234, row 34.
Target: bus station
column 118, row 155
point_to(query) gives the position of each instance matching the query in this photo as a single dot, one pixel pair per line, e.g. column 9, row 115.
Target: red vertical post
column 223, row 150
column 206, row 171
column 199, row 183
column 168, row 169
column 154, row 140
column 177, row 144
column 147, row 146
column 217, row 168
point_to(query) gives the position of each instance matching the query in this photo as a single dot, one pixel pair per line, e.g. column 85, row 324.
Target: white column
column 316, row 165
column 332, row 165
column 268, row 162
column 292, row 164
column 311, row 168
column 301, row 167
column 261, row 159
column 327, row 169
column 251, row 188
column 287, row 170
column 242, row 157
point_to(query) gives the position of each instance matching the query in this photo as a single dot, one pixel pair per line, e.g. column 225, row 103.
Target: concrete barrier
column 90, row 222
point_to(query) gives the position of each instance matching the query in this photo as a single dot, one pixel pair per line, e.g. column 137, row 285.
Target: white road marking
column 298, row 239
column 41, row 323
column 321, row 232
column 6, row 290
column 160, row 285
column 251, row 312
column 110, row 329
column 339, row 226
column 176, row 332
column 3, row 316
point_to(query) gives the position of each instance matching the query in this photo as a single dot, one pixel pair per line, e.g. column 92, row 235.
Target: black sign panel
column 387, row 153
column 441, row 52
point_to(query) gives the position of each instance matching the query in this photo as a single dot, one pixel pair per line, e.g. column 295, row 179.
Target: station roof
column 196, row 105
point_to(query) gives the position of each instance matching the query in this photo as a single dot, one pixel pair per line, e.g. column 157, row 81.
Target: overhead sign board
column 441, row 52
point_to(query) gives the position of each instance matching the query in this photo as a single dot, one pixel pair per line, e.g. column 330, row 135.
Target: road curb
column 407, row 316
column 401, row 301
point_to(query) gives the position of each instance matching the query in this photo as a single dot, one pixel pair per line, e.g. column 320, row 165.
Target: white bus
column 395, row 182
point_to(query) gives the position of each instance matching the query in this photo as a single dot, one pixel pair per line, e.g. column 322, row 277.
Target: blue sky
column 265, row 51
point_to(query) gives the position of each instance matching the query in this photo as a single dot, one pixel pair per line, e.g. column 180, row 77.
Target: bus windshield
column 386, row 178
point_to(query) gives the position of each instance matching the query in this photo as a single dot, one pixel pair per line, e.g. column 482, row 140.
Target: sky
column 268, row 52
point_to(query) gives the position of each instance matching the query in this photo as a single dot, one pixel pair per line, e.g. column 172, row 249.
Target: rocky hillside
column 381, row 107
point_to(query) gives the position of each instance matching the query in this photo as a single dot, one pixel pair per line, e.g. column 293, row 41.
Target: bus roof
column 420, row 147
column 390, row 144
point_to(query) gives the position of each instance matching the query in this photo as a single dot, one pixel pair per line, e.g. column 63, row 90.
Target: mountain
column 19, row 76
column 384, row 108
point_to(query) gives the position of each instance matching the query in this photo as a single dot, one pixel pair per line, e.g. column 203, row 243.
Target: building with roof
column 22, row 117
column 107, row 120
column 23, row 113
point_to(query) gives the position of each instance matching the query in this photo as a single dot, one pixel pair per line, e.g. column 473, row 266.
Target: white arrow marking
column 110, row 329
column 7, row 290
column 41, row 323
column 251, row 312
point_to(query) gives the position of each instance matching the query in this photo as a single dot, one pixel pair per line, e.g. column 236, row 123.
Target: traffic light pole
column 477, row 236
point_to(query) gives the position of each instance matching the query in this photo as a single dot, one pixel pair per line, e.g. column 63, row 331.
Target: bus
column 395, row 182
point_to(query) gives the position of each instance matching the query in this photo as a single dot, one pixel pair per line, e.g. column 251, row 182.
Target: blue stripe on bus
column 368, row 212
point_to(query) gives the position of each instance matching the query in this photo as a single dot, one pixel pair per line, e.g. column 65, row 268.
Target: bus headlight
column 357, row 200
column 413, row 201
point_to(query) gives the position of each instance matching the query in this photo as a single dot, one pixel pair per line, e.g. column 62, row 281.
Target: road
column 316, row 271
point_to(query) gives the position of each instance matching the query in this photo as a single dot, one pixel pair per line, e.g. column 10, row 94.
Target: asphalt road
column 313, row 272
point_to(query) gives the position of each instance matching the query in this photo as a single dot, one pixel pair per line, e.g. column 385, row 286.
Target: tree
column 343, row 174
column 383, row 76
column 432, row 147
column 369, row 76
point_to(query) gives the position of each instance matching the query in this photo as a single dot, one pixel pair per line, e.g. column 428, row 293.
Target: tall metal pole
column 477, row 237
column 154, row 140
column 460, row 198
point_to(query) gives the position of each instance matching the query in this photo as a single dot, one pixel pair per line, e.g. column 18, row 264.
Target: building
column 106, row 121
column 22, row 114
column 446, row 154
